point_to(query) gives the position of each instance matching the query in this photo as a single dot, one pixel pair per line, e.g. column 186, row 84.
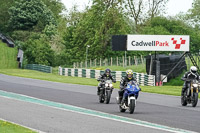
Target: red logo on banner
column 178, row 45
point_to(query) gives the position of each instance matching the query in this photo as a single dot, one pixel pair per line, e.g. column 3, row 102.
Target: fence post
column 111, row 61
column 129, row 60
column 100, row 61
column 123, row 60
column 107, row 61
column 81, row 64
column 151, row 64
column 74, row 65
column 90, row 63
column 142, row 59
column 136, row 63
column 117, row 61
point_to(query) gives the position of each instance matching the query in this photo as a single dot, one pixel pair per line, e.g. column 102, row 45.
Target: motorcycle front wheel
column 195, row 99
column 132, row 106
column 108, row 95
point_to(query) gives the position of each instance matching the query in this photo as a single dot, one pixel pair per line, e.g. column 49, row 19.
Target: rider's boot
column 123, row 101
column 98, row 90
column 120, row 96
column 120, row 99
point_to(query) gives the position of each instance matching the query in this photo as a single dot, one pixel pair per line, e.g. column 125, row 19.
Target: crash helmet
column 107, row 72
column 129, row 74
column 193, row 69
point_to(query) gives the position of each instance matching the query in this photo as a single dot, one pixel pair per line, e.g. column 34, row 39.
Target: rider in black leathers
column 192, row 74
column 106, row 76
column 129, row 77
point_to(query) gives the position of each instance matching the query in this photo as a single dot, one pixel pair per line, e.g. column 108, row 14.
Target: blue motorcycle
column 131, row 93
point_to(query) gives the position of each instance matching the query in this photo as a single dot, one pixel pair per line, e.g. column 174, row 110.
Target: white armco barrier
column 87, row 73
column 60, row 70
column 72, row 72
column 118, row 75
column 66, row 71
column 79, row 72
column 97, row 74
column 142, row 79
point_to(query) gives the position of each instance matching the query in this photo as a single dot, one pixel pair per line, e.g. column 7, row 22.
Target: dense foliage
column 51, row 35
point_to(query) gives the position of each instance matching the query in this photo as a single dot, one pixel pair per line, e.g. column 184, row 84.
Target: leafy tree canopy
column 28, row 13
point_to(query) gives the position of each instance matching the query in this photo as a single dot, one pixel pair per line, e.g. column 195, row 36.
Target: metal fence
column 38, row 67
column 118, row 61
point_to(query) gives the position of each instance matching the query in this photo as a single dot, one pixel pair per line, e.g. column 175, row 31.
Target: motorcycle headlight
column 111, row 85
column 106, row 85
column 195, row 85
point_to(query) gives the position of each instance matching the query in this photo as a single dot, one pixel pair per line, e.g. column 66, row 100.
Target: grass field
column 7, row 127
column 8, row 56
column 168, row 90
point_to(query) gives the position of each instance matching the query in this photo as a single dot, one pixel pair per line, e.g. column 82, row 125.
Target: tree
column 135, row 10
column 95, row 28
column 193, row 15
column 4, row 16
column 141, row 10
column 28, row 13
column 38, row 51
column 164, row 26
column 156, row 7
column 56, row 7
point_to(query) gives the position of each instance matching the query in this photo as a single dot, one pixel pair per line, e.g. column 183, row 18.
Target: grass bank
column 8, row 56
column 7, row 127
column 167, row 90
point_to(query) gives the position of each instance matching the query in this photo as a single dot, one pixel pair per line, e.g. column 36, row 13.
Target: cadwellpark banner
column 158, row 42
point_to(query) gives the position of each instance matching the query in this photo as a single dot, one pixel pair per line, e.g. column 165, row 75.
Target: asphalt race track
column 92, row 117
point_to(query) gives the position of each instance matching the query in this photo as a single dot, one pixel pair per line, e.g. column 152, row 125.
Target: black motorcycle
column 106, row 91
column 190, row 95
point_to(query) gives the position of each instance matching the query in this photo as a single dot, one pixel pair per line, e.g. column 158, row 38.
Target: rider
column 192, row 74
column 106, row 76
column 129, row 77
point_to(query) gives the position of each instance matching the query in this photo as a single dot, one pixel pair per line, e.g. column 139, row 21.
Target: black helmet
column 107, row 72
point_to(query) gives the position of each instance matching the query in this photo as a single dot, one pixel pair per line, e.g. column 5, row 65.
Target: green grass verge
column 7, row 127
column 168, row 90
column 48, row 76
column 141, row 68
column 8, row 56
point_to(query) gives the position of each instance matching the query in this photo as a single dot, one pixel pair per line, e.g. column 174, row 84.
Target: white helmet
column 193, row 69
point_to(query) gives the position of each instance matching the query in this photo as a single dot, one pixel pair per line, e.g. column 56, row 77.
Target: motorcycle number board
column 158, row 42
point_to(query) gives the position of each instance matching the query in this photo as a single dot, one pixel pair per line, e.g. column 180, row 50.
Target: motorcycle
column 190, row 96
column 131, row 93
column 106, row 91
